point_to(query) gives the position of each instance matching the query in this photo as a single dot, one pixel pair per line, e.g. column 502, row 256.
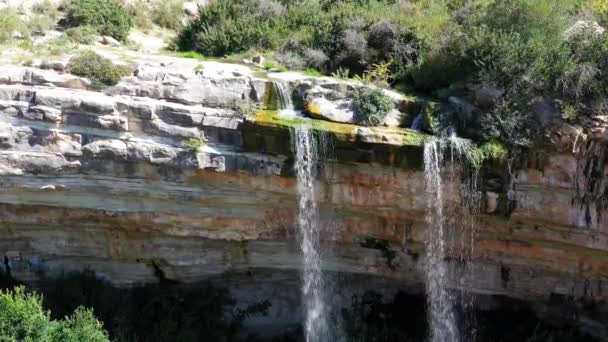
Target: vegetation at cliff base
column 23, row 318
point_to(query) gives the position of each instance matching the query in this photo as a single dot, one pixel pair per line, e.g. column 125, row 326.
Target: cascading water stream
column 441, row 313
column 439, row 243
column 285, row 103
column 309, row 227
column 306, row 154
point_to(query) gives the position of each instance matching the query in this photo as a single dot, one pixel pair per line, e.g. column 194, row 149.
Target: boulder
column 107, row 40
column 599, row 128
column 337, row 111
column 583, row 27
column 191, row 8
column 258, row 60
column 108, row 148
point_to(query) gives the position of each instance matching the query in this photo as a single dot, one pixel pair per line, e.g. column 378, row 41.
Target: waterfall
column 285, row 103
column 441, row 313
column 440, row 242
column 308, row 223
column 417, row 123
column 306, row 153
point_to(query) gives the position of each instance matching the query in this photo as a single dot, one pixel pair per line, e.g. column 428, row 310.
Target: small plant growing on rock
column 100, row 70
column 246, row 107
column 108, row 17
column 194, row 145
column 371, row 106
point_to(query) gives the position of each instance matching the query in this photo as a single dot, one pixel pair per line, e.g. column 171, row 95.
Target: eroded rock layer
column 101, row 181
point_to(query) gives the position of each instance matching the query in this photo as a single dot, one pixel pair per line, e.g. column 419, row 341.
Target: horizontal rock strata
column 101, row 181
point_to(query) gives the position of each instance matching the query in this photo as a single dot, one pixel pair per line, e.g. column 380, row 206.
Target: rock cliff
column 101, row 180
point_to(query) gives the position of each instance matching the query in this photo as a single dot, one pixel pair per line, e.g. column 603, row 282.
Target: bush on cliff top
column 100, row 70
column 438, row 47
column 371, row 106
column 108, row 17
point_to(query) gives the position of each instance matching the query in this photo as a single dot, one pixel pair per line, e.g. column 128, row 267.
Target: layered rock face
column 100, row 180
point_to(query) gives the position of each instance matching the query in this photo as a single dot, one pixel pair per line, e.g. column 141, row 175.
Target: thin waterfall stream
column 441, row 313
column 306, row 152
column 441, row 239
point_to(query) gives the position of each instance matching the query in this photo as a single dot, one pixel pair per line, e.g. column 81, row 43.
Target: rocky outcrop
column 101, row 181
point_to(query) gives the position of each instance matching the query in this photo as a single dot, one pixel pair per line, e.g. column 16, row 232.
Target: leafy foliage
column 97, row 68
column 168, row 14
column 22, row 318
column 10, row 24
column 82, row 34
column 159, row 312
column 193, row 145
column 371, row 106
column 108, row 17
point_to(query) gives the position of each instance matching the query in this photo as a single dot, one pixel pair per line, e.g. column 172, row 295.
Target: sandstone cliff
column 100, row 180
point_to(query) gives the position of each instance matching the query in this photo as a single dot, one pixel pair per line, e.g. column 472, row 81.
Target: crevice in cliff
column 161, row 275
column 7, row 268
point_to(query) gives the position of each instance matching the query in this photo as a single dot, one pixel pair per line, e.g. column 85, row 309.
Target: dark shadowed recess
column 169, row 311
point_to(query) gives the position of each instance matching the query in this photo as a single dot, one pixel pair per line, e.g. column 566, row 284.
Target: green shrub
column 22, row 318
column 194, row 145
column 40, row 23
column 191, row 54
column 371, row 106
column 246, row 107
column 510, row 122
column 168, row 14
column 97, row 68
column 141, row 15
column 10, row 24
column 56, row 47
column 108, row 17
column 47, row 8
column 82, row 34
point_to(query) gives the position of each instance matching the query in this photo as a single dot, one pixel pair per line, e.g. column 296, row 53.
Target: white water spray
column 441, row 313
column 306, row 153
column 446, row 238
column 309, row 227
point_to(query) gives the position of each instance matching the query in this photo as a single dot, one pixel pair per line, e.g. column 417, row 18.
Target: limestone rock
column 107, row 40
column 110, row 148
column 191, row 8
column 258, row 60
column 337, row 111
column 599, row 128
column 584, row 27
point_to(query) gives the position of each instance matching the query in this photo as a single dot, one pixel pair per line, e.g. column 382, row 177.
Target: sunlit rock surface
column 100, row 180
